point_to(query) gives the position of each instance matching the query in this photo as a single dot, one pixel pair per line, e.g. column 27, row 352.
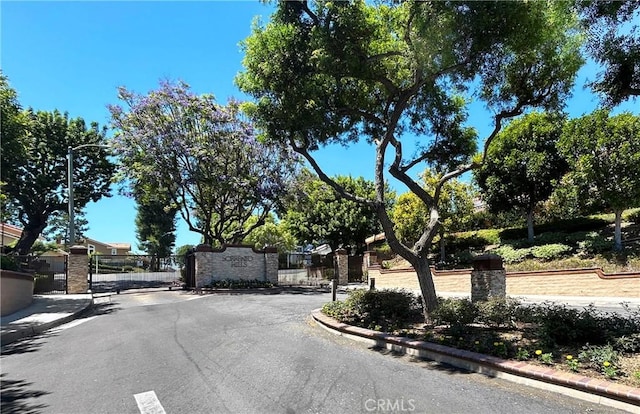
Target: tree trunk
column 427, row 287
column 443, row 253
column 530, row 234
column 28, row 237
column 617, row 246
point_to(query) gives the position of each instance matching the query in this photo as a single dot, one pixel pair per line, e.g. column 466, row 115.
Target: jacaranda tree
column 205, row 156
column 396, row 73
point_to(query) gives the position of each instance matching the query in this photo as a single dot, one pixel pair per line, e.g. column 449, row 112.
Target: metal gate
column 116, row 273
column 190, row 269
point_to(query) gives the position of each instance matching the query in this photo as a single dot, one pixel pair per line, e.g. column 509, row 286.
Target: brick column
column 488, row 278
column 271, row 264
column 203, row 264
column 342, row 265
column 77, row 270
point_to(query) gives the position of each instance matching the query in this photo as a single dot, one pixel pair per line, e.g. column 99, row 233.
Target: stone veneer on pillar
column 342, row 260
column 78, row 270
column 488, row 278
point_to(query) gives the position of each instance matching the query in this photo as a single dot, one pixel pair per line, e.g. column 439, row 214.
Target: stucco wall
column 16, row 291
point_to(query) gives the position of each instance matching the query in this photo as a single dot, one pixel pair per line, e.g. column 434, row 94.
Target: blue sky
column 72, row 56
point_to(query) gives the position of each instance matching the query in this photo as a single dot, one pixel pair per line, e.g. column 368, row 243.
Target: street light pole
column 72, row 218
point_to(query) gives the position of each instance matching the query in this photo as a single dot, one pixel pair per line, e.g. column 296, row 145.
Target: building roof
column 7, row 229
column 116, row 245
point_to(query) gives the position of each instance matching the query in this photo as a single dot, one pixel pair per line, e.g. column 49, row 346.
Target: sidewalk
column 45, row 312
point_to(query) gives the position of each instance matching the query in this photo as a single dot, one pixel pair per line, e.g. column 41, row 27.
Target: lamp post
column 72, row 228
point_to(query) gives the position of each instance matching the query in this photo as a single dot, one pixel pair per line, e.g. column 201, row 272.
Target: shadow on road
column 430, row 364
column 17, row 397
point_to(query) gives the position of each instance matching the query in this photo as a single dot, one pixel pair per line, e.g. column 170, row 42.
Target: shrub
column 551, row 237
column 596, row 356
column 510, row 255
column 628, row 343
column 498, row 312
column 550, row 251
column 9, row 263
column 472, row 239
column 594, row 243
column 566, row 226
column 634, row 216
column 239, row 284
column 455, row 312
column 385, row 309
column 560, row 325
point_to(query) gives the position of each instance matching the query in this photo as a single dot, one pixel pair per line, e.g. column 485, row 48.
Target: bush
column 551, row 237
column 498, row 312
column 594, row 243
column 239, row 284
column 560, row 325
column 565, row 226
column 634, row 216
column 472, row 239
column 510, row 255
column 455, row 312
column 385, row 309
column 550, row 251
column 9, row 263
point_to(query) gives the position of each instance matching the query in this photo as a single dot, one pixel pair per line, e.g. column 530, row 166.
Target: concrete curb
column 37, row 328
column 588, row 389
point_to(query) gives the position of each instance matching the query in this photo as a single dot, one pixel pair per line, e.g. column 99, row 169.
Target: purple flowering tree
column 204, row 156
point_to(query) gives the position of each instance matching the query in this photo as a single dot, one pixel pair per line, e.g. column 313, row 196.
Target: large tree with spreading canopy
column 202, row 157
column 400, row 76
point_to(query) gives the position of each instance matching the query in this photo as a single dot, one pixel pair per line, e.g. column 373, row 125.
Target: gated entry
column 116, row 273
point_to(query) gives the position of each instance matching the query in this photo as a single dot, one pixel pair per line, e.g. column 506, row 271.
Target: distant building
column 10, row 234
column 107, row 249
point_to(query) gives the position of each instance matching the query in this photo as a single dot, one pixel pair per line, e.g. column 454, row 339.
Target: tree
column 58, row 226
column 456, row 208
column 35, row 169
column 272, row 233
column 523, row 165
column 604, row 154
column 155, row 224
column 316, row 213
column 204, row 156
column 394, row 73
column 614, row 44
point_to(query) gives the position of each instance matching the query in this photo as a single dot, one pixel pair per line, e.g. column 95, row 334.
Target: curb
column 577, row 386
column 35, row 329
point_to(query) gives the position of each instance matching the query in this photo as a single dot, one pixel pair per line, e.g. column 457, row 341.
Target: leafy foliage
column 523, row 165
column 385, row 309
column 604, row 153
column 34, row 166
column 314, row 212
column 155, row 222
column 328, row 73
column 613, row 43
column 272, row 233
column 204, row 156
column 550, row 251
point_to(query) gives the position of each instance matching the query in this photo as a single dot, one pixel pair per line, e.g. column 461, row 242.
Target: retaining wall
column 575, row 282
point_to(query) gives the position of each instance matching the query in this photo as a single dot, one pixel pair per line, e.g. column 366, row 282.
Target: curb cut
column 588, row 389
column 35, row 329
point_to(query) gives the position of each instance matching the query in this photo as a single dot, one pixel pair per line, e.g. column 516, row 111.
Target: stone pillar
column 78, row 270
column 342, row 266
column 488, row 278
column 203, row 265
column 370, row 259
column 271, row 264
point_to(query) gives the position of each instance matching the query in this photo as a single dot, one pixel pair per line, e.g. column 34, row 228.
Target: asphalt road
column 176, row 353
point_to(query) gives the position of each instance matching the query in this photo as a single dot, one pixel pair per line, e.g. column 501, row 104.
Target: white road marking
column 148, row 403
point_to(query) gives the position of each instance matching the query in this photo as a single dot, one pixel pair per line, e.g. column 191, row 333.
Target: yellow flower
column 606, row 363
column 569, row 357
column 496, row 344
column 477, row 342
column 538, row 352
